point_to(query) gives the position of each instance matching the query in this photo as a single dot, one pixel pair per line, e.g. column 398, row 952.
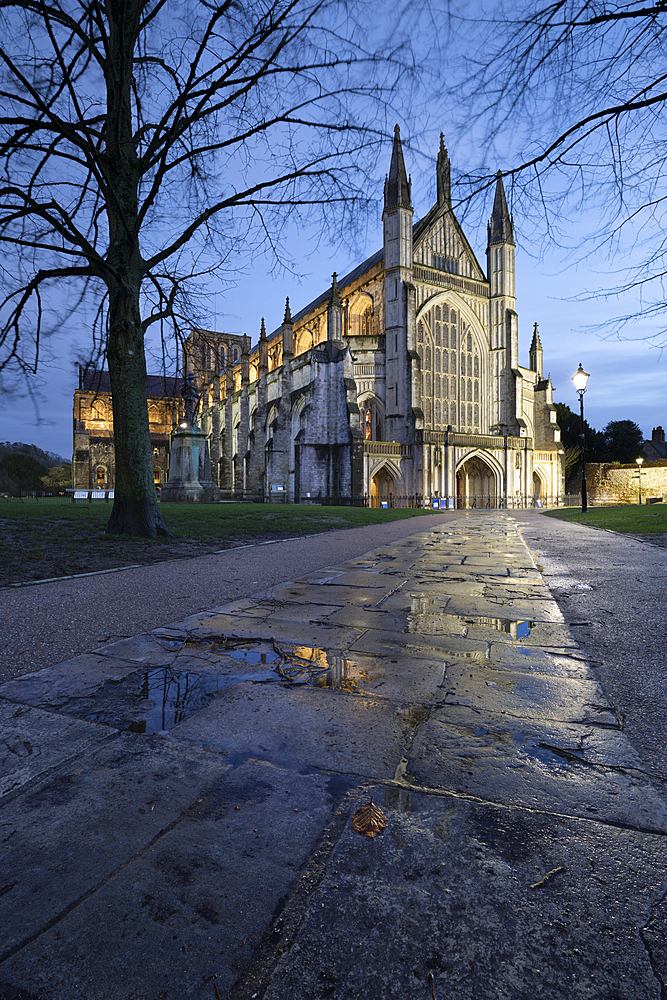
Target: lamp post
column 639, row 477
column 580, row 379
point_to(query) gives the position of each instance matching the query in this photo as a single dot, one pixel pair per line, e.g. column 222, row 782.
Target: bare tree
column 146, row 144
column 569, row 97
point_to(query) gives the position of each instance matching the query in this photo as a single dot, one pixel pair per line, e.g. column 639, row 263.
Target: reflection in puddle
column 516, row 628
column 430, row 622
column 176, row 694
column 161, row 698
column 337, row 675
column 247, row 654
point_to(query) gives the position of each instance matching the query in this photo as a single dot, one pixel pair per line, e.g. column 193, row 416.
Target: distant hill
column 25, row 468
column 46, row 458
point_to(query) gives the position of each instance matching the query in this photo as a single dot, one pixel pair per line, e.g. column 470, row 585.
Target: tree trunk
column 135, row 510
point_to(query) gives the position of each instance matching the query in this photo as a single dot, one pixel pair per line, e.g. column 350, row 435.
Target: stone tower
column 398, row 304
column 503, row 329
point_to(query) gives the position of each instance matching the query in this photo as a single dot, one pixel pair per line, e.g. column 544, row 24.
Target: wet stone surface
column 182, row 800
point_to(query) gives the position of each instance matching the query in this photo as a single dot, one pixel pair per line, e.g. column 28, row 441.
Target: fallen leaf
column 369, row 820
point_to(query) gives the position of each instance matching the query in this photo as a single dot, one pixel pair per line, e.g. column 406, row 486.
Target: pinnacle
column 397, row 186
column 335, row 299
column 501, row 228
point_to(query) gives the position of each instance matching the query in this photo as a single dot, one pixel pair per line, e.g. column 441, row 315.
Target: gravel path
column 612, row 590
column 45, row 623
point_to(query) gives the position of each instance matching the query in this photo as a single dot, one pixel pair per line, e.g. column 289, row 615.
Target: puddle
column 247, row 654
column 444, row 624
column 517, row 628
column 338, row 675
column 159, row 699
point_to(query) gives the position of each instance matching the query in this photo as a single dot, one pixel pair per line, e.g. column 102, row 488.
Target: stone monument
column 190, row 464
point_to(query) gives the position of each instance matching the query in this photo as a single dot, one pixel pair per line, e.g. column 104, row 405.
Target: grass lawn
column 649, row 519
column 50, row 538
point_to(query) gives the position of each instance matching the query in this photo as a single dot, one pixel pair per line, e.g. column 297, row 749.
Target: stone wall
column 619, row 484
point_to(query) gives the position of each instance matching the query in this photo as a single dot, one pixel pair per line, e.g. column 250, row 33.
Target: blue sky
column 627, row 376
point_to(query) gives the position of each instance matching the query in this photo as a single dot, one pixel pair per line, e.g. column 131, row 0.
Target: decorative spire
column 334, row 298
column 501, row 227
column 397, row 187
column 288, row 315
column 443, row 175
column 262, row 330
column 536, row 344
column 535, row 352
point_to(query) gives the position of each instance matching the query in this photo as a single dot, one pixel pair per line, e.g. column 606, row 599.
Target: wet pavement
column 178, row 805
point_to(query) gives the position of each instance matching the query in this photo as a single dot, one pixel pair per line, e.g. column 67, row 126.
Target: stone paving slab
column 463, row 891
column 88, row 820
column 507, row 759
column 81, row 676
column 298, row 591
column 388, row 643
column 319, row 728
column 33, row 743
column 189, row 905
column 524, row 848
column 528, row 696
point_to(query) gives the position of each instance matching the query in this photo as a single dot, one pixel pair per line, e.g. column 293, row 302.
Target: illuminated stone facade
column 401, row 380
column 93, row 464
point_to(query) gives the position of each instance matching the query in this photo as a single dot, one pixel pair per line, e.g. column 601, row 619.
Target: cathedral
column 400, row 383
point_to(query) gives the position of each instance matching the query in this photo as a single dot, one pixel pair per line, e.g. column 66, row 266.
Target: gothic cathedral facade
column 402, row 380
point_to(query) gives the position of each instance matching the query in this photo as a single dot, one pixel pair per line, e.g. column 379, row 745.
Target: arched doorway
column 537, row 486
column 476, row 484
column 383, row 487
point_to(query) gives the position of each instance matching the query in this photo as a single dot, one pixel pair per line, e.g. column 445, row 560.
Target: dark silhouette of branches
column 569, row 97
column 146, row 146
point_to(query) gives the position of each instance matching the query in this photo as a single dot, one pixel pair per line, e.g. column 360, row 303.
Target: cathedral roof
column 95, row 380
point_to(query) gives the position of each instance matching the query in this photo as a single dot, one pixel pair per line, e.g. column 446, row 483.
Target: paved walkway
column 199, row 841
column 44, row 623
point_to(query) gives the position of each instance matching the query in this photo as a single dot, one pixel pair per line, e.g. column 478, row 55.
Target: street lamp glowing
column 580, row 379
column 639, row 477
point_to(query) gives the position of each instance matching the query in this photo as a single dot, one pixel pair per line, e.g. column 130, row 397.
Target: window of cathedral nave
column 451, row 370
column 98, row 412
column 372, row 420
column 275, row 356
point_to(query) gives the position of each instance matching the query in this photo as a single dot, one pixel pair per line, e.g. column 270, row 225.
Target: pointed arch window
column 437, row 349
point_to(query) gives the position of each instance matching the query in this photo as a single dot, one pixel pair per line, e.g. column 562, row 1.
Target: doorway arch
column 476, row 484
column 383, row 487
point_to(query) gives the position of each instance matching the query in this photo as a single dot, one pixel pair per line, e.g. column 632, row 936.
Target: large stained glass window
column 446, row 345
